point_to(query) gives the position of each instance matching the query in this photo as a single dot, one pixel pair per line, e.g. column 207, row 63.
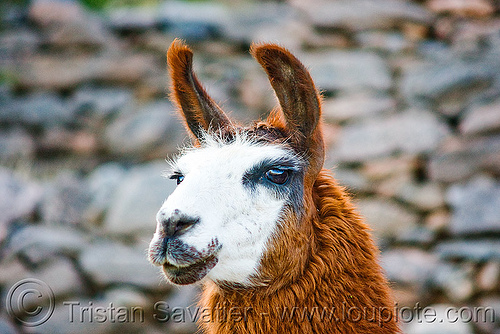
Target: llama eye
column 278, row 176
column 178, row 177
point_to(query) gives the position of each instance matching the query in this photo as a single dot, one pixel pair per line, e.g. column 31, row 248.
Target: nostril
column 178, row 224
column 185, row 224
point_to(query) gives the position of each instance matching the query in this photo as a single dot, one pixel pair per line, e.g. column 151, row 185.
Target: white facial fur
column 241, row 219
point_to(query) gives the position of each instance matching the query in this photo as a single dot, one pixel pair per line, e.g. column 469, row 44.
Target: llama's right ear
column 198, row 109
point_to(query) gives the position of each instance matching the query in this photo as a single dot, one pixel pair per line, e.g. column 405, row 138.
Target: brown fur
column 328, row 263
column 321, row 260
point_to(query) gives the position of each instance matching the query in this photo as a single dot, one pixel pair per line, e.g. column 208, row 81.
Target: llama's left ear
column 294, row 87
column 198, row 109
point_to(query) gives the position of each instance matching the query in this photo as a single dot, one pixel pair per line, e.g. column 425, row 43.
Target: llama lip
column 185, row 264
column 191, row 273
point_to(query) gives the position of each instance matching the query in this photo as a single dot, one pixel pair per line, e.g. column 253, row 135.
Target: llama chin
column 257, row 219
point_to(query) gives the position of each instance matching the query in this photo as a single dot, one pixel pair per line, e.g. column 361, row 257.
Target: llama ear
column 198, row 109
column 297, row 95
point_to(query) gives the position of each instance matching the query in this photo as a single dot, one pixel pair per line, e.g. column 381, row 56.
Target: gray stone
column 137, row 200
column 437, row 326
column 194, row 32
column 409, row 266
column 60, row 139
column 363, row 14
column 15, row 144
column 489, row 317
column 12, row 14
column 132, row 18
column 438, row 221
column 182, row 12
column 110, row 67
column 5, row 93
column 418, row 235
column 245, row 20
column 353, row 180
column 66, row 200
column 193, row 21
column 390, row 167
column 460, row 158
column 412, row 132
column 101, row 102
column 144, row 132
column 52, row 73
column 291, row 34
column 124, row 308
column 185, row 298
column 434, row 51
column 348, row 70
column 449, row 83
column 102, row 183
column 471, row 8
column 488, row 278
column 349, row 107
column 112, row 263
column 40, row 243
column 68, row 317
column 481, row 119
column 63, row 73
column 61, row 276
column 13, row 270
column 472, row 250
column 126, row 297
column 47, row 12
column 423, row 196
column 88, row 33
column 6, row 327
column 16, row 42
column 37, row 109
column 155, row 41
column 19, row 197
column 386, row 218
column 456, row 281
column 389, row 187
column 383, row 41
column 476, row 206
column 405, row 296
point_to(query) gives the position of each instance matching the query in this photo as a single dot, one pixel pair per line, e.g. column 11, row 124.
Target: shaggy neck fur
column 321, row 277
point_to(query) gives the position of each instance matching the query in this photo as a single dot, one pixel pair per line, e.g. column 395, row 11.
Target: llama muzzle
column 182, row 263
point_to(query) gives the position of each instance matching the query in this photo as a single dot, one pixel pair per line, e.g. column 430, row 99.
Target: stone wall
column 412, row 106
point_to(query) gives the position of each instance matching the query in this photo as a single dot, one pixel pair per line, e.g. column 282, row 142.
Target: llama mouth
column 182, row 263
column 192, row 273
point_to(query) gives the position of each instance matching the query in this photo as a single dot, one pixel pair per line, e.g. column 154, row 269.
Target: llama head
column 237, row 186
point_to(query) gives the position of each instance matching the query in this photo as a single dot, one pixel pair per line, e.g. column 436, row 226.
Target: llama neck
column 322, row 277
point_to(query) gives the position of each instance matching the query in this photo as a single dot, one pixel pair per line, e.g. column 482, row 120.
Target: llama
column 256, row 218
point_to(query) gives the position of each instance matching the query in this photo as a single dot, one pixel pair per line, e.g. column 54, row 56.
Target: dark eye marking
column 282, row 176
column 271, row 172
column 177, row 176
